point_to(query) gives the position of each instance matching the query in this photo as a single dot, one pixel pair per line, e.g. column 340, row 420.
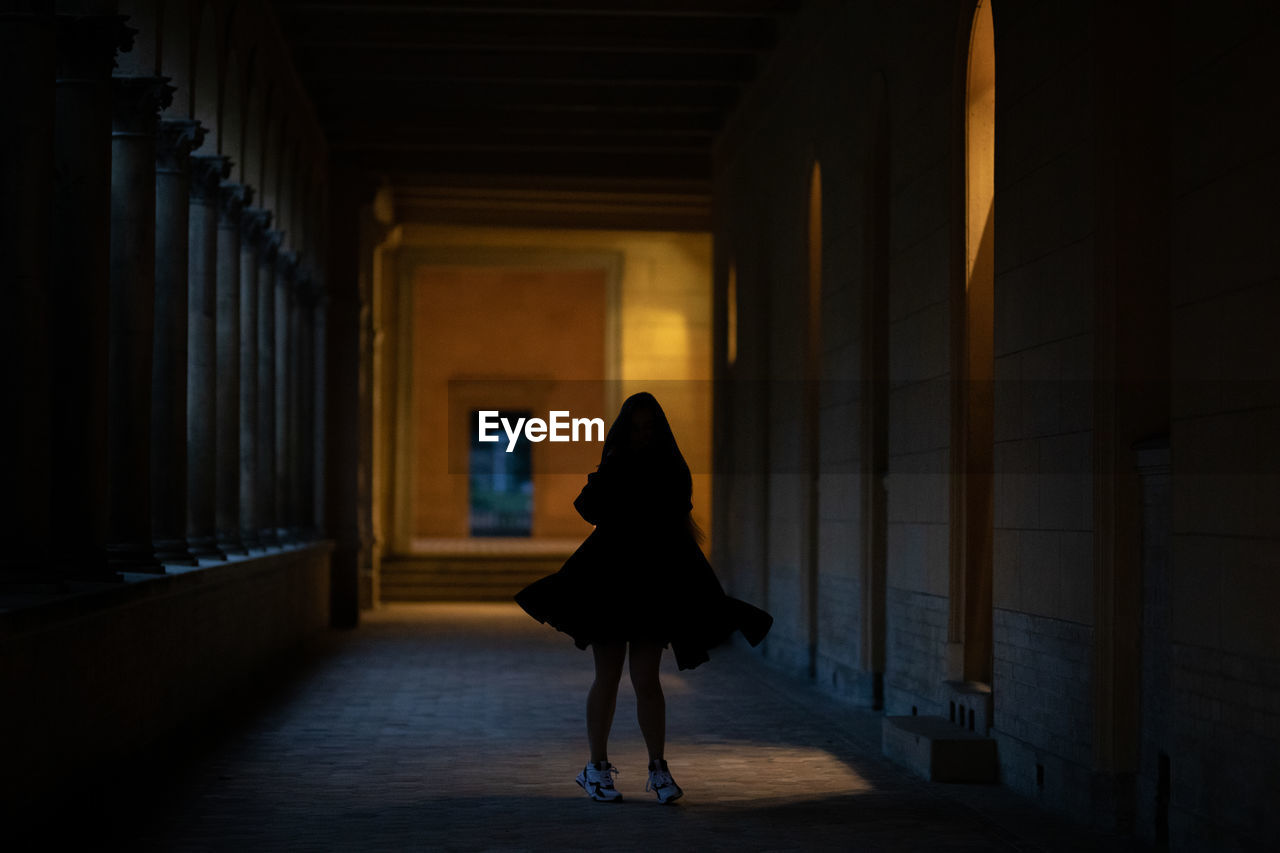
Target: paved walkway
column 460, row 727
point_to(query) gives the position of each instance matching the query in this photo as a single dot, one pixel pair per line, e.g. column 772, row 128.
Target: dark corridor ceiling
column 529, row 92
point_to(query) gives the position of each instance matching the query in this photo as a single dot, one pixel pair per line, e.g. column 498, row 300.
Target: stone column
column 294, row 407
column 28, row 64
column 136, row 103
column 232, row 199
column 268, row 533
column 207, row 173
column 169, row 353
column 78, row 472
column 286, row 267
column 305, row 404
column 253, row 226
column 318, row 354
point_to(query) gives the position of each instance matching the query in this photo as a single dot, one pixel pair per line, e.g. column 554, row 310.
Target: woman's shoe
column 597, row 781
column 661, row 783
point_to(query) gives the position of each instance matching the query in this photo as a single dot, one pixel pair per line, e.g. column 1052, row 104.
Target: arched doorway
column 970, row 633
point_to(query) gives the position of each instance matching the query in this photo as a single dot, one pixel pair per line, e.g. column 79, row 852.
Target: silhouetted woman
column 639, row 581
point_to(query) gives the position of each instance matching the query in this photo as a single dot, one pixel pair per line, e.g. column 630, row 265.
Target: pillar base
column 269, row 537
column 83, row 564
column 29, row 574
column 27, row 584
column 133, row 557
column 230, row 544
column 251, row 540
column 176, row 552
column 205, row 546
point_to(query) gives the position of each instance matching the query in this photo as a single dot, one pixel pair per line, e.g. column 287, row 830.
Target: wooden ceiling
column 529, row 93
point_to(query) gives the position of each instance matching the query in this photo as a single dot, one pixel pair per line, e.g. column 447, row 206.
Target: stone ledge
column 938, row 750
column 30, row 611
column 100, row 676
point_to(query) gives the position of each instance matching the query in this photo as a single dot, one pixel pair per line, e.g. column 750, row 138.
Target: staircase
column 955, row 748
column 469, row 570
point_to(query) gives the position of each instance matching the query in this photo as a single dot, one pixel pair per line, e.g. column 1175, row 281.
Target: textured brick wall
column 1210, row 635
column 1224, row 727
column 1042, row 556
column 1044, row 708
column 1223, row 749
column 94, row 681
column 915, row 661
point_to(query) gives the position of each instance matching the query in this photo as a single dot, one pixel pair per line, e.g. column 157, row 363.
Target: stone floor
column 459, row 727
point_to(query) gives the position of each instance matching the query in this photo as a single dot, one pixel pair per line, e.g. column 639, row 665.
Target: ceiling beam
column 344, row 62
column 553, row 145
column 704, row 123
column 543, row 164
column 518, row 138
column 575, row 34
column 610, row 8
column 555, row 207
column 360, row 100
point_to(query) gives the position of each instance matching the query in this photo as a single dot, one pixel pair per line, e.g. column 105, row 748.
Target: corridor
column 459, row 727
column 962, row 319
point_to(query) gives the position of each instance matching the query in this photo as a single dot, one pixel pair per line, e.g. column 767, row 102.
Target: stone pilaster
column 207, row 173
column 28, row 63
column 136, row 104
column 253, row 227
column 81, row 284
column 286, row 440
column 294, row 406
column 232, row 199
column 305, row 405
column 174, row 144
column 266, row 441
column 318, row 358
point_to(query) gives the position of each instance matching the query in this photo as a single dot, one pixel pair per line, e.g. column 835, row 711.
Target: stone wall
column 1224, row 725
column 96, row 679
column 1109, row 227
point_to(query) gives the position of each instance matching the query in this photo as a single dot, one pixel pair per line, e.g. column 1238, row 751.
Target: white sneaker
column 597, row 781
column 661, row 783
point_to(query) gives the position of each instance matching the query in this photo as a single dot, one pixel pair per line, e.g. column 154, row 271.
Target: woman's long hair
column 616, row 443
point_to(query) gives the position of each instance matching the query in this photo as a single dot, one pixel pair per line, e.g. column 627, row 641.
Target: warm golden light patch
column 731, row 313
column 652, row 332
column 980, row 144
column 815, row 246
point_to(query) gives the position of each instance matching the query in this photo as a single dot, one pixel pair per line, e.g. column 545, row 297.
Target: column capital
column 312, row 289
column 87, row 45
column 271, row 240
column 287, row 266
column 175, row 141
column 254, row 223
column 302, row 286
column 232, row 200
column 207, row 174
column 136, row 103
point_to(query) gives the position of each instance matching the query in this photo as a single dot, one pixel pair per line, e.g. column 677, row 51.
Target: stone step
column 448, row 593
column 939, row 750
column 454, row 577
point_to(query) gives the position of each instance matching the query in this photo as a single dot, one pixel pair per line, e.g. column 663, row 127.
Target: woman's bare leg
column 603, row 697
column 651, row 705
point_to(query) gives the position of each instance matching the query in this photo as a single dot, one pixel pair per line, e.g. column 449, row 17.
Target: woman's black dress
column 640, row 575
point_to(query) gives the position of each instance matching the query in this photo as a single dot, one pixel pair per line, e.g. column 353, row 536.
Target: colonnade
column 166, row 350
